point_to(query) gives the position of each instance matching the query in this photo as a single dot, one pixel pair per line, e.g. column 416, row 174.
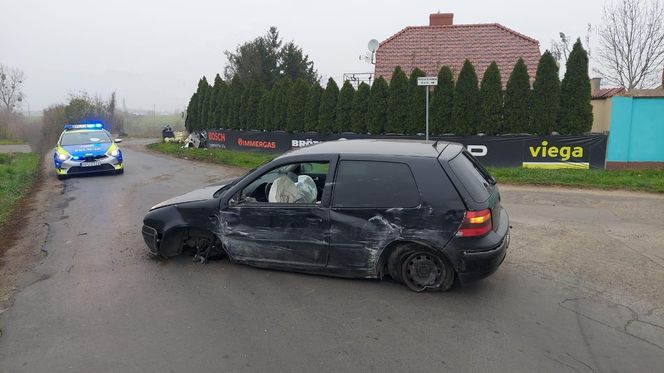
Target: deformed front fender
column 173, row 223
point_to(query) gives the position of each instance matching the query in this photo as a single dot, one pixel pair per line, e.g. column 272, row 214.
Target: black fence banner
column 584, row 152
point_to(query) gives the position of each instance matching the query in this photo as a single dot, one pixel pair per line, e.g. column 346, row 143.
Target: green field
column 648, row 181
column 17, row 173
column 150, row 126
column 221, row 156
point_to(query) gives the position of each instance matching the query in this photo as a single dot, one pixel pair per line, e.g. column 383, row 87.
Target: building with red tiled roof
column 601, row 103
column 443, row 43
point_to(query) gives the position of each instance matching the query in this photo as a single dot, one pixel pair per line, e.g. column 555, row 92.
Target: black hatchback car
column 424, row 213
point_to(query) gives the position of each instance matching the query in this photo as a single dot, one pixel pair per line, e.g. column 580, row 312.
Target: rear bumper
column 481, row 264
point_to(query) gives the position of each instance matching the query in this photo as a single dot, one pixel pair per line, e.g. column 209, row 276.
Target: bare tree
column 631, row 43
column 560, row 49
column 11, row 94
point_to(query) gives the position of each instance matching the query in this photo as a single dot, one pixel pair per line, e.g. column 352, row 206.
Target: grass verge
column 221, row 156
column 647, row 181
column 17, row 172
column 11, row 142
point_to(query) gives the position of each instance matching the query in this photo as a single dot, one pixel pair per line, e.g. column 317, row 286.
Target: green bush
column 576, row 112
column 397, row 102
column 465, row 111
column 491, row 92
column 442, row 102
column 517, row 100
column 377, row 110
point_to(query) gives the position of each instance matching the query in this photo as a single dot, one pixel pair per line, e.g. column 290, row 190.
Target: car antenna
column 435, row 144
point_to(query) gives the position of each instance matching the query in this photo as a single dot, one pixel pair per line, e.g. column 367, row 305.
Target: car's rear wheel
column 61, row 177
column 425, row 270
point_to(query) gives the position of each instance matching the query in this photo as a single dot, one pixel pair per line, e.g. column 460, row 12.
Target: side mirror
column 118, row 140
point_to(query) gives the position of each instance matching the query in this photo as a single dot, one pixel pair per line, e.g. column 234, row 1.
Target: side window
column 375, row 184
column 301, row 183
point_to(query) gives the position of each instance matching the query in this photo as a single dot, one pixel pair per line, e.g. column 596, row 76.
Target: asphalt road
column 578, row 292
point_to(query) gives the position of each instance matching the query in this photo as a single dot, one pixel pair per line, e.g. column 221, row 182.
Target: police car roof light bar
column 83, row 126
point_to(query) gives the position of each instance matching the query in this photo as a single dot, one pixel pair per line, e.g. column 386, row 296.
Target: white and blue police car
column 87, row 148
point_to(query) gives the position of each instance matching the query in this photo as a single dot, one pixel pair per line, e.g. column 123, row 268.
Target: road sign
column 427, row 80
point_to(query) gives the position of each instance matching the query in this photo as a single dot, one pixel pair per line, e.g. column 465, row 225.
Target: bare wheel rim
column 423, row 270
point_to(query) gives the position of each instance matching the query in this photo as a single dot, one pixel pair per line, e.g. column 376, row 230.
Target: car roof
column 414, row 148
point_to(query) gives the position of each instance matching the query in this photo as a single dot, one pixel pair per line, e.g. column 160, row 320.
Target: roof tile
column 431, row 47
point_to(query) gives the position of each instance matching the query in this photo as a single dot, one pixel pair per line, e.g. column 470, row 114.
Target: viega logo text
column 562, row 152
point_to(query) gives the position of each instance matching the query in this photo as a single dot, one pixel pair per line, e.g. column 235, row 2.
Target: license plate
column 90, row 164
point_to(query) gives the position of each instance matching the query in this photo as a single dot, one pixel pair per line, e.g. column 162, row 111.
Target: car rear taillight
column 475, row 223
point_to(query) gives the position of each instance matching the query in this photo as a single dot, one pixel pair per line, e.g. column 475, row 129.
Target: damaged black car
column 425, row 213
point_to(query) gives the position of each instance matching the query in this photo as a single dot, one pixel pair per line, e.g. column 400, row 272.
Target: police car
column 87, row 148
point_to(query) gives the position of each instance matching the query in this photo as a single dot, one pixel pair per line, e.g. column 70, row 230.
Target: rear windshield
column 84, row 137
column 473, row 176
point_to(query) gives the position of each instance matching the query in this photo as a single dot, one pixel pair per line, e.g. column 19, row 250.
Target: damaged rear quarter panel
column 359, row 236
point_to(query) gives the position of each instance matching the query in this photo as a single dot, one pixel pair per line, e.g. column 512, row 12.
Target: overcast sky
column 152, row 52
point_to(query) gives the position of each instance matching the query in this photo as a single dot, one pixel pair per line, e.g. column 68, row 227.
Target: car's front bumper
column 151, row 238
column 76, row 167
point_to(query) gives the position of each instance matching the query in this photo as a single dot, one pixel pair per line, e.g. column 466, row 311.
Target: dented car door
column 278, row 233
column 269, row 233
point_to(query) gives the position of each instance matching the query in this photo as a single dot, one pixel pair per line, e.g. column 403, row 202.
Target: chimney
column 595, row 83
column 441, row 19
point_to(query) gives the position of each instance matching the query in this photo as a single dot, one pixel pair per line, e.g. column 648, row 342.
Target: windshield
column 84, row 137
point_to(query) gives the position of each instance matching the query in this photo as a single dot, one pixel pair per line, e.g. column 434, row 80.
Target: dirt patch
column 24, row 233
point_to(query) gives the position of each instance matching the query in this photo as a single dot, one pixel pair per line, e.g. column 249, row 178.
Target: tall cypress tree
column 281, row 103
column 254, row 92
column 344, row 107
column 242, row 116
column 491, row 92
column 465, row 110
column 576, row 113
column 261, row 112
column 218, row 108
column 192, row 113
column 517, row 100
column 397, row 103
column 297, row 102
column 212, row 102
column 233, row 99
column 377, row 110
column 416, row 107
column 312, row 108
column 269, row 109
column 358, row 116
column 545, row 106
column 442, row 102
column 328, row 107
column 204, row 106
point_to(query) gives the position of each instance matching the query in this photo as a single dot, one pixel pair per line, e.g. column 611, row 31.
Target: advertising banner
column 584, row 152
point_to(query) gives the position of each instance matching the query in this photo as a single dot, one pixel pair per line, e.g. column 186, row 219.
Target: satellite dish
column 373, row 45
